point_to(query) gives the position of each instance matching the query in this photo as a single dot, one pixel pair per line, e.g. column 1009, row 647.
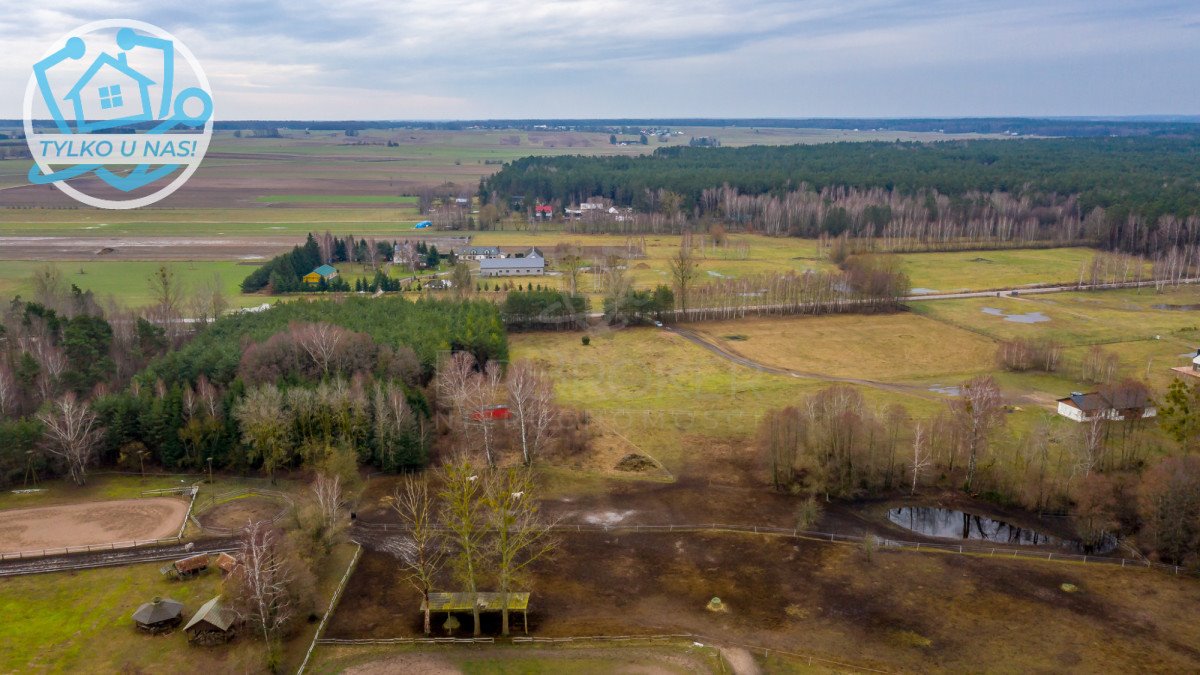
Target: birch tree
column 531, row 400
column 920, row 461
column 327, row 491
column 978, row 410
column 320, row 341
column 466, row 522
column 265, row 592
column 71, row 434
column 424, row 558
column 519, row 535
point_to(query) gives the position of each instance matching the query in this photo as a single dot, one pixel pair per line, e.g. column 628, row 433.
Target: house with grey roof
column 479, row 252
column 1114, row 405
column 531, row 264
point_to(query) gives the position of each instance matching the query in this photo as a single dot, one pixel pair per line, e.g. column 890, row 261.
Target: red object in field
column 492, row 412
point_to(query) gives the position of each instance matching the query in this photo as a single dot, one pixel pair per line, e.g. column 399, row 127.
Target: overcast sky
column 441, row 59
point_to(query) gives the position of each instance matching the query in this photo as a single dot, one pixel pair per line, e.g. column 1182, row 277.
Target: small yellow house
column 325, row 272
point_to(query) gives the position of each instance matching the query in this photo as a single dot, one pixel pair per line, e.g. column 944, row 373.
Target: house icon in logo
column 109, row 94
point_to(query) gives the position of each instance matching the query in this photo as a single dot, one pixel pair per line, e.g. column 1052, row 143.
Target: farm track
column 79, row 561
column 730, row 355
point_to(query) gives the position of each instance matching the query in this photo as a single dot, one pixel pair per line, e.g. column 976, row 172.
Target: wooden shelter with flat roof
column 487, row 601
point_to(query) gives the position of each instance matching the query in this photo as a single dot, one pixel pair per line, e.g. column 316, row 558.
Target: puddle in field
column 922, row 291
column 714, row 273
column 933, row 521
column 1030, row 317
column 1177, row 308
column 947, row 389
column 607, row 517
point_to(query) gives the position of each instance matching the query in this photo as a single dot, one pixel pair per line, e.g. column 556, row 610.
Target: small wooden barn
column 227, row 563
column 159, row 616
column 187, row 567
column 212, row 624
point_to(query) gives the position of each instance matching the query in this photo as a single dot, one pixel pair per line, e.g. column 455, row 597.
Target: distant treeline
column 1025, row 188
column 1071, row 127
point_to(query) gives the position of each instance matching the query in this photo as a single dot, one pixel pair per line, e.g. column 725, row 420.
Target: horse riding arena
column 90, row 524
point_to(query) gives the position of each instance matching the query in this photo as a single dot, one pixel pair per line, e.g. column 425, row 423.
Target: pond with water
column 1028, row 317
column 933, row 521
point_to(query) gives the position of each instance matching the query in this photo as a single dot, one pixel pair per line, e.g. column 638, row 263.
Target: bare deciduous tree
column 683, row 273
column 327, row 490
column 320, row 341
column 71, row 434
column 209, row 301
column 424, row 556
column 921, row 459
column 519, row 535
column 8, row 391
column 264, row 593
column 479, row 416
column 531, row 399
column 978, row 410
column 462, row 513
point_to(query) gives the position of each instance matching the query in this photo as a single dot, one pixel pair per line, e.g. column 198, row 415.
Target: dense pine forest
column 1134, row 194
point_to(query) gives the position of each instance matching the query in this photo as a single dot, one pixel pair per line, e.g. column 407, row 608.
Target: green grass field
column 127, row 281
column 982, row 270
column 80, row 622
column 337, row 199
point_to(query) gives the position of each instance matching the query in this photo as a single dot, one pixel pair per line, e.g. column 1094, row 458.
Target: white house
column 1196, row 362
column 479, row 252
column 1082, row 407
column 533, row 264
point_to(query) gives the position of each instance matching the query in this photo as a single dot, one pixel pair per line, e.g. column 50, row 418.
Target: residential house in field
column 531, row 264
column 1085, row 407
column 325, row 272
column 404, row 253
column 543, row 211
column 479, row 252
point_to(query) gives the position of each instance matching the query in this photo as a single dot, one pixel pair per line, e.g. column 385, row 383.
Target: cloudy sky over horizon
column 472, row 59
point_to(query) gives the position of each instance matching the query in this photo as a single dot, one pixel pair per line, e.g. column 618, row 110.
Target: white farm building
column 532, row 264
column 1082, row 407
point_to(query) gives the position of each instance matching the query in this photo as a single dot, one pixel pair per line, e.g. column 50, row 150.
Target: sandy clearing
column 90, row 523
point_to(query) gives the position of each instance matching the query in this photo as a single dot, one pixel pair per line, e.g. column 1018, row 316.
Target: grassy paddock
column 982, row 270
column 880, row 347
column 127, row 281
column 80, row 622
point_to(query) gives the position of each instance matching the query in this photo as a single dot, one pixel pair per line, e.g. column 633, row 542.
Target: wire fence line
column 965, row 549
column 333, row 601
column 90, row 548
column 150, row 555
column 601, row 639
column 214, row 500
